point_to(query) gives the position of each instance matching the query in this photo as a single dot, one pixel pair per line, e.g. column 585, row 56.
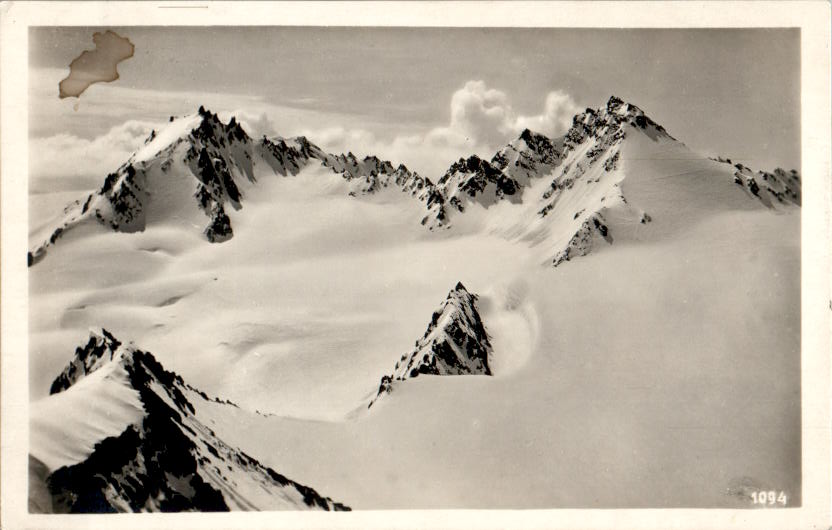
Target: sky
column 422, row 96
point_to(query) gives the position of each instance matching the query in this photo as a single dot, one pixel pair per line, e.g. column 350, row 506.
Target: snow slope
column 119, row 434
column 660, row 377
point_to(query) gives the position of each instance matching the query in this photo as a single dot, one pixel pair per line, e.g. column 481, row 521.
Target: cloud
column 66, row 162
column 482, row 121
column 556, row 118
column 485, row 115
column 107, row 105
column 481, row 114
column 340, row 139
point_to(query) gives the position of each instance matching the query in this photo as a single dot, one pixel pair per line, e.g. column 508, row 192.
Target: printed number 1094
column 769, row 498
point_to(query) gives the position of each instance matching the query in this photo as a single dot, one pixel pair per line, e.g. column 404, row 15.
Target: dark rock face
column 504, row 177
column 455, row 343
column 168, row 462
column 220, row 228
column 475, row 175
column 581, row 243
column 100, row 348
column 365, row 176
column 126, row 195
column 541, row 146
column 151, row 465
column 282, row 158
column 770, row 188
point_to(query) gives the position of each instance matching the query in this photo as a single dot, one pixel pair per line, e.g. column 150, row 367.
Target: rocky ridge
column 221, row 157
column 455, row 343
column 170, row 460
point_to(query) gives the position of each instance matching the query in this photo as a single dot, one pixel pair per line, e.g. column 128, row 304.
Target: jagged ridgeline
column 566, row 192
column 165, row 457
column 455, row 343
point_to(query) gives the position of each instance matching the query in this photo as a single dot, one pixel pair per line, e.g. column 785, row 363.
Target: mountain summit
column 198, row 169
column 616, row 175
column 119, row 433
column 455, row 343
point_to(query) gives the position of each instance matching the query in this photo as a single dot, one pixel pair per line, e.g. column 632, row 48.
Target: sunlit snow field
column 621, row 378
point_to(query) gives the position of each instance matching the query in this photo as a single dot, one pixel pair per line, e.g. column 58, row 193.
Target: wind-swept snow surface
column 625, row 332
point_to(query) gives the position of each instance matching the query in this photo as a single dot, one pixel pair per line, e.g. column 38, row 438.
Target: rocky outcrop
column 168, row 461
column 455, row 343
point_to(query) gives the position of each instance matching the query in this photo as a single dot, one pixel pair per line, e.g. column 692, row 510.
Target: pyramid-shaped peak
column 614, row 103
column 531, row 137
column 202, row 111
column 455, row 343
column 459, row 301
column 526, row 134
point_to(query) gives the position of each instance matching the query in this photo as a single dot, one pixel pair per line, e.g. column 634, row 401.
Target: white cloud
column 556, row 118
column 105, row 105
column 66, row 162
column 481, row 114
column 482, row 121
column 343, row 140
column 484, row 116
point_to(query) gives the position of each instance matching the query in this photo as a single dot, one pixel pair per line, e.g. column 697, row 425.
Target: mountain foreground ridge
column 159, row 455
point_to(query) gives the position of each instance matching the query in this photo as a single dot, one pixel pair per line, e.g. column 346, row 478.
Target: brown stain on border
column 98, row 65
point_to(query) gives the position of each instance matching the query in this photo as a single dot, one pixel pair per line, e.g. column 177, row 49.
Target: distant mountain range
column 572, row 186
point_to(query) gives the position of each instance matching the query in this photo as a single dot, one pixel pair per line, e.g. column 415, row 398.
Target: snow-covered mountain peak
column 538, row 144
column 531, row 155
column 610, row 122
column 197, row 169
column 455, row 343
column 202, row 128
column 132, row 437
column 619, row 107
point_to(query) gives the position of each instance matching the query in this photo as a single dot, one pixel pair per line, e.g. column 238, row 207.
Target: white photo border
column 813, row 19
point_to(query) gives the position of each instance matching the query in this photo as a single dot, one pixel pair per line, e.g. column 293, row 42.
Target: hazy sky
column 429, row 95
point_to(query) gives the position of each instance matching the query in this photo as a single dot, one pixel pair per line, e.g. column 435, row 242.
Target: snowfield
column 642, row 309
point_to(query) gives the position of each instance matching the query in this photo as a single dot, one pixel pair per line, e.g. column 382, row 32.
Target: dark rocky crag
column 455, row 343
column 170, row 461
